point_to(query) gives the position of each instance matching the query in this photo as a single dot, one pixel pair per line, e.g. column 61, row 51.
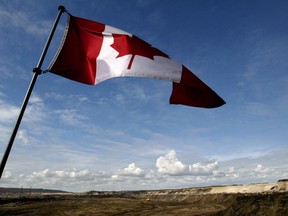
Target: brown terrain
column 249, row 199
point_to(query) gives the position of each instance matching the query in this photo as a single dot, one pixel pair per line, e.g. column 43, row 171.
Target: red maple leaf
column 126, row 45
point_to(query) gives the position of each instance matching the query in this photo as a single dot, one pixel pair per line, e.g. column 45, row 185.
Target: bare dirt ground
column 212, row 205
column 263, row 199
column 76, row 206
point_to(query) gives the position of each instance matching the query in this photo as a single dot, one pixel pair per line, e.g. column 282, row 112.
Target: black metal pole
column 37, row 71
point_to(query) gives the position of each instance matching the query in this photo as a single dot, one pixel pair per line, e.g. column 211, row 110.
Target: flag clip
column 37, row 70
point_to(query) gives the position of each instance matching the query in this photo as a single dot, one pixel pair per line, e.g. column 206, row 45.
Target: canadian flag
column 92, row 52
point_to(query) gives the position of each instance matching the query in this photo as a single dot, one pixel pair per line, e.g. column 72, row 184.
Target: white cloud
column 76, row 98
column 8, row 116
column 265, row 53
column 131, row 92
column 169, row 164
column 208, row 168
column 35, row 110
column 70, row 117
column 73, row 180
column 22, row 20
column 55, row 96
column 36, row 100
column 45, row 173
column 6, row 174
column 73, row 174
column 32, row 121
column 8, row 112
column 131, row 171
column 261, row 171
column 23, row 137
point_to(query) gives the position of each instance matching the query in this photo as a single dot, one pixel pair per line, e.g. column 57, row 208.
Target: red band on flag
column 77, row 57
column 191, row 91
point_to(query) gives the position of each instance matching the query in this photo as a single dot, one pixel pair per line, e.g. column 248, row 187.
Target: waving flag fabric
column 92, row 52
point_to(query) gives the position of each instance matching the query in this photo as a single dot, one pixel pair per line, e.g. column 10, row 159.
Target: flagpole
column 37, row 71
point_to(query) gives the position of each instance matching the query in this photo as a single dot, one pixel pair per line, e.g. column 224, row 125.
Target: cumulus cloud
column 261, row 171
column 131, row 171
column 42, row 174
column 207, row 168
column 77, row 179
column 169, row 164
column 63, row 174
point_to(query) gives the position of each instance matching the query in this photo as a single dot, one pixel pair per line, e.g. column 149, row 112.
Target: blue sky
column 122, row 133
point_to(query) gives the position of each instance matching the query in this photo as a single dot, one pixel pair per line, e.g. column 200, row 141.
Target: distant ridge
column 280, row 186
column 29, row 190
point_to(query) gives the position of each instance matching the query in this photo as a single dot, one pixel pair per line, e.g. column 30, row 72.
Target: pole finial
column 62, row 8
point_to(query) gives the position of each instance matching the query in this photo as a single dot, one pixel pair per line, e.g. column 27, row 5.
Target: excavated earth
column 252, row 199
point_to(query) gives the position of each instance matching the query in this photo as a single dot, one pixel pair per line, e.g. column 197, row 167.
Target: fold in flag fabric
column 92, row 52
